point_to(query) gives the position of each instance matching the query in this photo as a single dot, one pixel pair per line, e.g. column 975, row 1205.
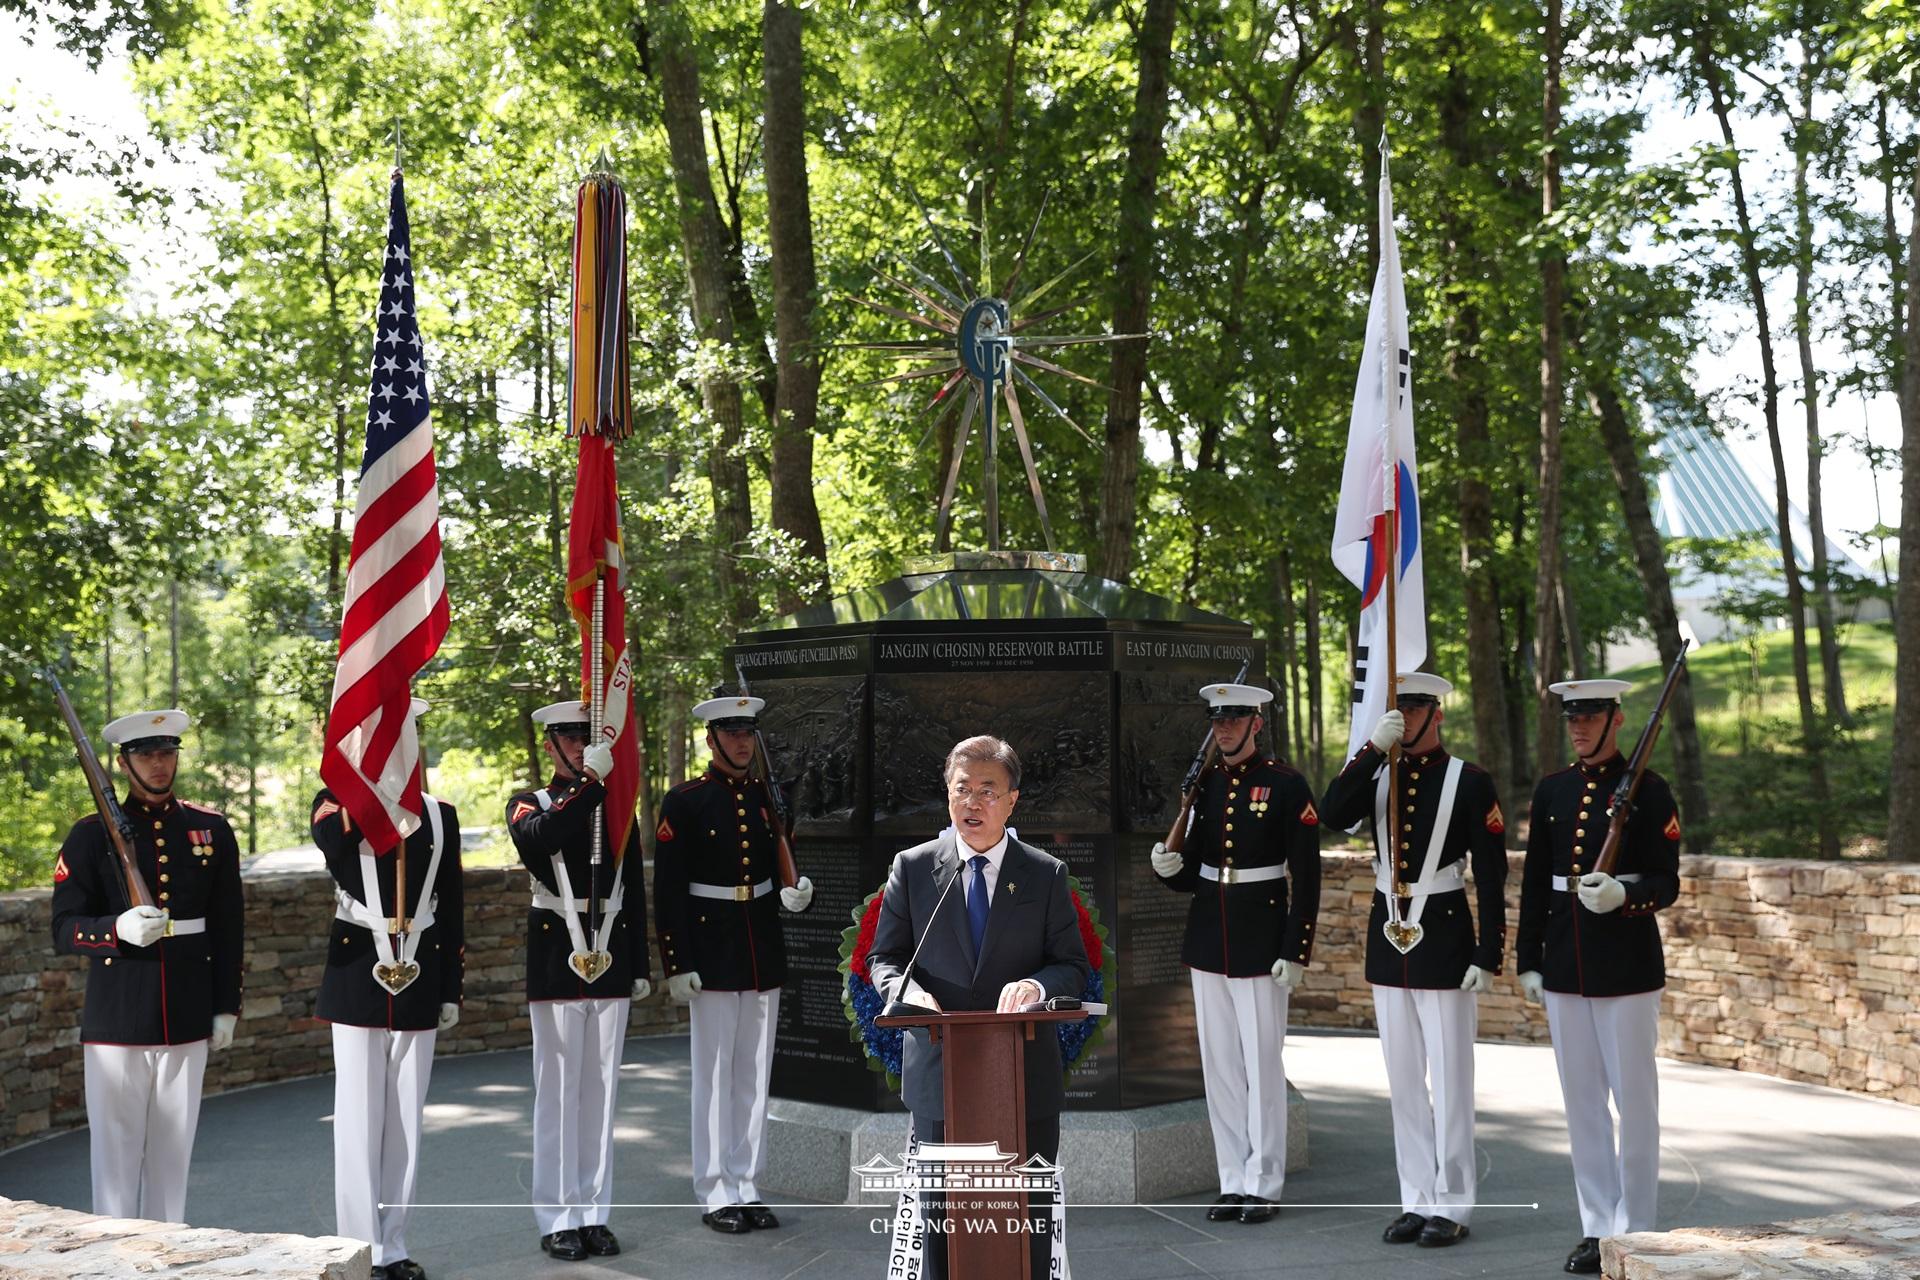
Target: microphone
column 896, row 1007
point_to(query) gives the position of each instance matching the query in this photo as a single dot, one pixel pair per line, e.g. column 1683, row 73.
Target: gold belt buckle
column 167, row 932
column 743, row 893
column 1227, row 875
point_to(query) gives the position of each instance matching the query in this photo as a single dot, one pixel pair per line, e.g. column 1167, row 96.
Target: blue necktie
column 977, row 901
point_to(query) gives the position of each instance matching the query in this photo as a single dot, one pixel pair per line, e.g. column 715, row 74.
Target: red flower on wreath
column 1088, row 938
column 869, row 925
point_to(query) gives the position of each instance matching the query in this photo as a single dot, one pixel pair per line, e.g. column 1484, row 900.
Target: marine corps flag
column 600, row 412
column 1377, row 526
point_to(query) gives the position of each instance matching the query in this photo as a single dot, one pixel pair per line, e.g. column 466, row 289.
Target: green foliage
column 214, row 440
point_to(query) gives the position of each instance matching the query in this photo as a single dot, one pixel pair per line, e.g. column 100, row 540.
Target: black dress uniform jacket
column 718, row 830
column 1474, row 832
column 1258, row 813
column 1577, row 951
column 166, row 993
column 1032, row 932
column 567, row 826
column 348, row 993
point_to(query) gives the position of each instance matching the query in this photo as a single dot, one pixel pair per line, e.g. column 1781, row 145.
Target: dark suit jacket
column 1032, row 932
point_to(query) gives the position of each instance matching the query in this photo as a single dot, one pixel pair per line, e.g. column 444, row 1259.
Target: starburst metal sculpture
column 978, row 339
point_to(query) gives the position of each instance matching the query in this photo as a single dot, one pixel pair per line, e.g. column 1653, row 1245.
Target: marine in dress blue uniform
column 163, row 985
column 1252, row 864
column 1425, row 998
column 383, row 1039
column 715, row 875
column 1589, row 947
column 579, row 1022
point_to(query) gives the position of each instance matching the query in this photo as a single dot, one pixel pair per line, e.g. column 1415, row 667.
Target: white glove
column 222, row 1037
column 141, row 925
column 1477, row 980
column 1287, row 973
column 1391, row 729
column 642, row 988
column 449, row 1014
column 598, row 761
column 799, row 897
column 1532, row 985
column 1601, row 893
column 1165, row 861
column 683, row 987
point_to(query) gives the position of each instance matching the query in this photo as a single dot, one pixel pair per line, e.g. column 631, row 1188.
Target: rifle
column 1203, row 759
column 1620, row 808
column 119, row 829
column 782, row 819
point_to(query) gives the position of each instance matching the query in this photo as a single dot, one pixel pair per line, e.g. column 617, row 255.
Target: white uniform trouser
column 1427, row 1037
column 379, row 1087
column 1605, row 1046
column 143, row 1105
column 1242, row 1024
column 732, row 1033
column 576, row 1063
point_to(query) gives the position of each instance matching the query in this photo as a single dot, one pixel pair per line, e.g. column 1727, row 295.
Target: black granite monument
column 1095, row 684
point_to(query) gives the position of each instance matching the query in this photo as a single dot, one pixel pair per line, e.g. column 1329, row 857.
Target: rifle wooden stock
column 782, row 844
column 119, row 830
column 1621, row 808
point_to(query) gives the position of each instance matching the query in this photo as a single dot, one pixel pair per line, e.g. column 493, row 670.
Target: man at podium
column 993, row 927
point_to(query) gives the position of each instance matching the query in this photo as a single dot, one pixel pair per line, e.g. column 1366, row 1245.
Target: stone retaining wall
column 41, row 1242
column 1798, row 969
column 278, row 1037
column 1802, row 970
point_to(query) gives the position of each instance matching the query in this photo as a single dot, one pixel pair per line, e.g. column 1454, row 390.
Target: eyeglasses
column 986, row 795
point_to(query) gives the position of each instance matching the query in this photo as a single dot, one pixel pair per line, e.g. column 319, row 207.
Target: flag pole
column 1392, row 852
column 597, row 706
column 400, row 924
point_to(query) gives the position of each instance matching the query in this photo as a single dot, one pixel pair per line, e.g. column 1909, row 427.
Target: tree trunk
column 703, row 244
column 1548, row 732
column 795, row 290
column 173, row 642
column 1133, row 267
column 1803, row 131
column 1568, row 612
column 1316, row 718
column 1285, row 727
column 1903, row 815
column 1811, row 732
column 1650, row 558
column 1486, row 677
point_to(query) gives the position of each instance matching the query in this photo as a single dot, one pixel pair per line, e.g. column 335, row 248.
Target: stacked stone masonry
column 1803, row 970
column 40, row 1242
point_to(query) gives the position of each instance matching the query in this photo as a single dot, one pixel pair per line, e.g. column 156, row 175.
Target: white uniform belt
column 350, row 909
column 1444, row 880
column 1561, row 884
column 552, row 902
column 181, row 928
column 1241, row 875
column 731, row 892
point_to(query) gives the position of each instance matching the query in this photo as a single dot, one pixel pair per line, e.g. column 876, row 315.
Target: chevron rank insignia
column 521, row 810
column 60, row 871
column 325, row 810
column 664, row 831
column 1495, row 822
column 1308, row 816
column 1672, row 829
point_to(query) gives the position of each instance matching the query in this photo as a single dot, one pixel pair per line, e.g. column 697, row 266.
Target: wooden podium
column 985, row 1097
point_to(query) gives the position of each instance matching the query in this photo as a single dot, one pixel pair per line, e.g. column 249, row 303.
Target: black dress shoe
column 1225, row 1209
column 1256, row 1209
column 759, row 1217
column 1585, row 1258
column 377, row 1273
column 1441, row 1232
column 731, row 1219
column 406, row 1269
column 600, row 1242
column 564, row 1245
column 1404, row 1229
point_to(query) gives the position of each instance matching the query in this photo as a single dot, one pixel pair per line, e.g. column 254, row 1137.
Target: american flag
column 395, row 612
